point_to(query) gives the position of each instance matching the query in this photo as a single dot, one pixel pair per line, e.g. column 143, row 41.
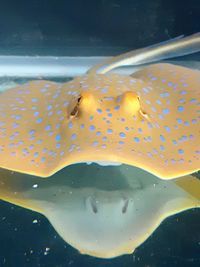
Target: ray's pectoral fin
column 187, row 195
column 191, row 185
column 170, row 98
column 19, row 189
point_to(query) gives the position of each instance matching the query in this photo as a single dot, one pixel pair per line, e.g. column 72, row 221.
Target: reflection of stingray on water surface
column 102, row 211
column 149, row 120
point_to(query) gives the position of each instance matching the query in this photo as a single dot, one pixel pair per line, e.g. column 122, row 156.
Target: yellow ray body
column 150, row 120
column 102, row 211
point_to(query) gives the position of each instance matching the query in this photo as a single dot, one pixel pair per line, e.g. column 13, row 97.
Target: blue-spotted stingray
column 147, row 123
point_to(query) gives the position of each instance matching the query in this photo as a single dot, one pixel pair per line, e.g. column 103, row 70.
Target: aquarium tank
column 111, row 203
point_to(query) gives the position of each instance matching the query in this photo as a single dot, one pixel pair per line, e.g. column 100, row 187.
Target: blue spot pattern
column 180, row 108
column 122, row 135
column 58, row 137
column 166, row 111
column 162, row 138
column 92, row 127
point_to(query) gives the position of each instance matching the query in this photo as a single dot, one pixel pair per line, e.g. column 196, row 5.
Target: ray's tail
column 176, row 47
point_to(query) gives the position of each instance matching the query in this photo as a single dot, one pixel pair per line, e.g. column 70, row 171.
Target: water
column 90, row 28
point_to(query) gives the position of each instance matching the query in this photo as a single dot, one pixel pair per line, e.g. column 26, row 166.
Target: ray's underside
column 102, row 211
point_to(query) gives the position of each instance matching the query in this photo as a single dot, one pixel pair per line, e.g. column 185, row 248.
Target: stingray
column 102, row 211
column 148, row 120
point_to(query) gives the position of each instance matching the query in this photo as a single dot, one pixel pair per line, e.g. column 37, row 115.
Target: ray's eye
column 74, row 112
